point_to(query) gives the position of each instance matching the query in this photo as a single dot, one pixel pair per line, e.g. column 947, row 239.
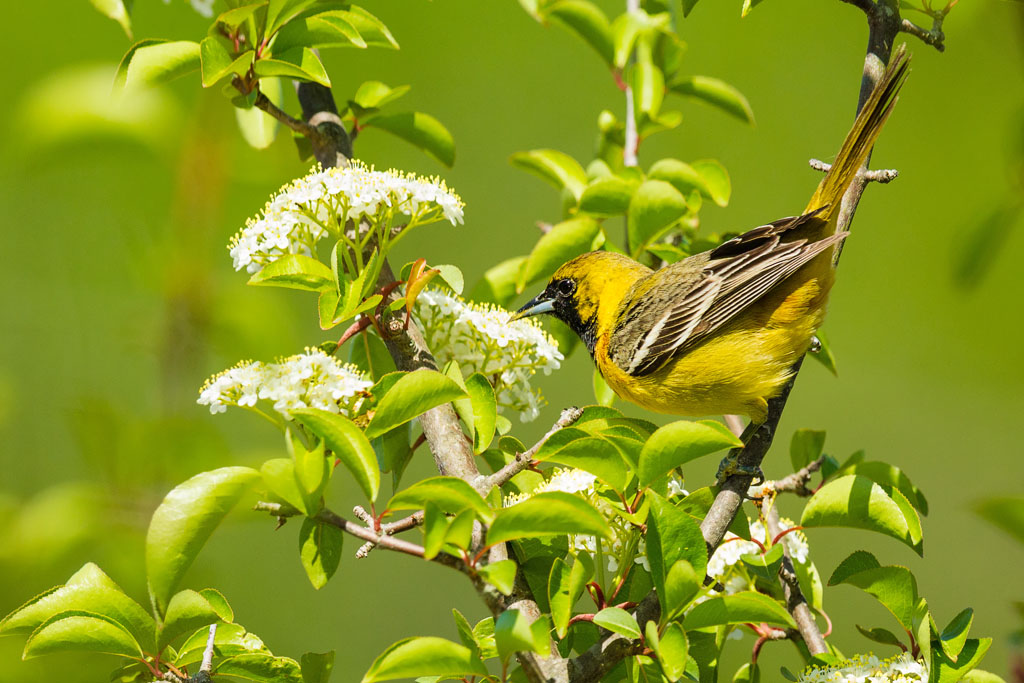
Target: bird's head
column 585, row 292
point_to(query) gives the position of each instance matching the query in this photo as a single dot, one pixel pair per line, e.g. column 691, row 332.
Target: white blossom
column 481, row 338
column 323, row 201
column 732, row 548
column 869, row 669
column 308, row 380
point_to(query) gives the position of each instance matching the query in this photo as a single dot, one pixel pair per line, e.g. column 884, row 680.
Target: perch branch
column 797, row 482
column 877, row 175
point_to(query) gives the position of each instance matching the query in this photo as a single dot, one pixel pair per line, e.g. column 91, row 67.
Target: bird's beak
column 534, row 306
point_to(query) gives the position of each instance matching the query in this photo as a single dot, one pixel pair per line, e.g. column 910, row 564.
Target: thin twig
column 797, row 482
column 796, row 603
column 301, row 127
column 934, row 37
column 207, row 665
column 522, row 460
column 877, row 175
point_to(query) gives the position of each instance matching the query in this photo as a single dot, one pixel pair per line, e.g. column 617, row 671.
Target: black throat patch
column 586, row 330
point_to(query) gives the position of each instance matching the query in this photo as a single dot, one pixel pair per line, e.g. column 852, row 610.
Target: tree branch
column 934, row 37
column 797, row 482
column 521, row 461
column 796, row 603
column 332, row 146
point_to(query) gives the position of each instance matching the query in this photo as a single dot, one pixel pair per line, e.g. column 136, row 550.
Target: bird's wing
column 733, row 276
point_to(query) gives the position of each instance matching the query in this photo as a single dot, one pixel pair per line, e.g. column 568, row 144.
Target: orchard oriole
column 718, row 332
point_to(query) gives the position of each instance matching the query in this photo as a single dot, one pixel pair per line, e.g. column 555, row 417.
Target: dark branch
column 796, row 603
column 934, row 37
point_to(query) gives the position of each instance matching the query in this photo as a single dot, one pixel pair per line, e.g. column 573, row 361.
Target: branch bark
column 453, row 456
column 796, row 603
column 523, row 460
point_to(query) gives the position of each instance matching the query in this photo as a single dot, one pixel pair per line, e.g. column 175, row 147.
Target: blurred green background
column 118, row 296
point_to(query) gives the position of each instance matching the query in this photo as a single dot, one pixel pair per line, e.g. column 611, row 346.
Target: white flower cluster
column 732, row 548
column 869, row 669
column 304, row 211
column 481, row 339
column 564, row 480
column 308, row 380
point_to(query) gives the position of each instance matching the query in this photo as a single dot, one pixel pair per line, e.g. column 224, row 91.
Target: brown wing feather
column 734, row 276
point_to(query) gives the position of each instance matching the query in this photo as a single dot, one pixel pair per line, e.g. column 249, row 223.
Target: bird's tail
column 860, row 139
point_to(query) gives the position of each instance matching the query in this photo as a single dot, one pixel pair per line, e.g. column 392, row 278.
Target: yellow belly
column 739, row 367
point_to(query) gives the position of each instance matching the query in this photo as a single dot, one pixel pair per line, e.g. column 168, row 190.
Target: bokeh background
column 118, row 296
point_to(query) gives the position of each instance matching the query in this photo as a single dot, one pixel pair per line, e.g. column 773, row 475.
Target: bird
column 718, row 332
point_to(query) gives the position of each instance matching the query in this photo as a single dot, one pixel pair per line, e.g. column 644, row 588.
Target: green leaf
column 450, row 494
column 312, row 473
column 945, row 670
column 564, row 241
column 118, row 11
column 681, row 586
column 501, row 575
column 565, row 586
column 588, row 21
column 678, row 443
column 186, row 612
column 320, row 550
column 372, row 29
column 422, row 131
column 513, row 632
column 88, row 590
column 629, row 26
column 368, row 352
column 672, row 535
column 979, row 676
column 890, row 476
column 261, row 667
column 217, row 62
column 856, row 501
column 608, row 196
column 279, row 477
column 219, row 603
column 1006, row 513
column 594, row 454
column 805, row 447
column 81, row 631
column 149, row 62
column 299, row 63
column 551, row 513
column 672, row 649
column 716, row 178
column 323, row 30
column 412, row 395
column 749, row 5
column 374, row 94
column 954, row 636
column 603, row 394
column 485, row 411
column 557, row 168
column 717, row 93
column 295, row 271
column 279, row 12
column 185, row 520
column 348, row 443
column 317, row 666
column 452, row 276
column 238, row 15
column 257, row 126
column 648, row 86
column 655, row 206
column 618, row 620
column 880, row 635
column 738, row 608
column 680, row 175
column 894, row 587
column 424, row 656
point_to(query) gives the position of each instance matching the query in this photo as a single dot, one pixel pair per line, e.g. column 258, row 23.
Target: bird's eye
column 566, row 288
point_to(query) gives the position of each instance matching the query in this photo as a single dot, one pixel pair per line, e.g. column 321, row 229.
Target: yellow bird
column 718, row 332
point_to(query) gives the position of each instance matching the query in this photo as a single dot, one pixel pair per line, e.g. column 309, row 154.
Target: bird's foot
column 731, row 465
